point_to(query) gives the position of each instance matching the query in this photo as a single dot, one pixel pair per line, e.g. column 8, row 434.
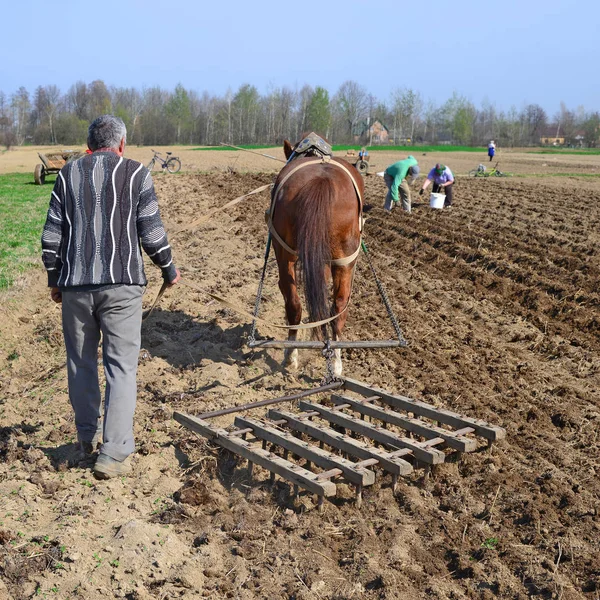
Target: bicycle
column 172, row 164
column 481, row 171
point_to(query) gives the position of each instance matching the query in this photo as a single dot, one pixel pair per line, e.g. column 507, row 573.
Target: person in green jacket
column 395, row 178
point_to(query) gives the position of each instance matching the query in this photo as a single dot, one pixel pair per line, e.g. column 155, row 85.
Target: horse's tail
column 313, row 210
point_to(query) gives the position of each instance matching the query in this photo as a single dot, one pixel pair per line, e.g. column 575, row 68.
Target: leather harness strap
column 338, row 262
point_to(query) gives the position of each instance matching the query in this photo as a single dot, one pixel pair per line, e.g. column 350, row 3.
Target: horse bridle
column 338, row 262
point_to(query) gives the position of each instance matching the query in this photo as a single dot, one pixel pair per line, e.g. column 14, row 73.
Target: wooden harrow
column 325, row 443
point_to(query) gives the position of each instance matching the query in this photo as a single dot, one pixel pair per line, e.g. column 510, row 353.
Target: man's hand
column 176, row 280
column 56, row 295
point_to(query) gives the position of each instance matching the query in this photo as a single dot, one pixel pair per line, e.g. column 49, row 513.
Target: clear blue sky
column 510, row 52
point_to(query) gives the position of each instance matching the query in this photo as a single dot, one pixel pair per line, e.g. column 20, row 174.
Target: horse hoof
column 337, row 363
column 290, row 360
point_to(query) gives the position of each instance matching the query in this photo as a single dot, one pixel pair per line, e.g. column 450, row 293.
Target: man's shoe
column 107, row 467
column 88, row 448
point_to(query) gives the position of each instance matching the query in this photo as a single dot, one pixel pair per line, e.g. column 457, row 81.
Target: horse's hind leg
column 293, row 308
column 342, row 287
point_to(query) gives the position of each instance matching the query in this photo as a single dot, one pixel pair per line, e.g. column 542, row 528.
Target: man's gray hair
column 106, row 131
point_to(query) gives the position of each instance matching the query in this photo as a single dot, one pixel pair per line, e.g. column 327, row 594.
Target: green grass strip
column 586, row 152
column 23, row 208
column 588, row 175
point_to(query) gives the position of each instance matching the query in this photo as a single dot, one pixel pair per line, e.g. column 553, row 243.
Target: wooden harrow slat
column 459, row 434
column 430, row 456
column 393, row 463
column 365, row 407
column 290, row 471
column 482, row 428
column 327, row 460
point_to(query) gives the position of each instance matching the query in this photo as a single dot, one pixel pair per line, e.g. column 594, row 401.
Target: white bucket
column 437, row 200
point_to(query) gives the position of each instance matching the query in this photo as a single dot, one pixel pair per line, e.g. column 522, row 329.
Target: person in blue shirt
column 491, row 150
column 443, row 180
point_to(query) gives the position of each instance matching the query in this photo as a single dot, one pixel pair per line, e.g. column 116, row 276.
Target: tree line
column 157, row 116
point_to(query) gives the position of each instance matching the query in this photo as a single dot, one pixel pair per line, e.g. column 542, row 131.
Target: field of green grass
column 583, row 151
column 23, row 208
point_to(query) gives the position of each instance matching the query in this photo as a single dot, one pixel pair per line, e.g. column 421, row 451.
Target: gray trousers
column 403, row 192
column 116, row 313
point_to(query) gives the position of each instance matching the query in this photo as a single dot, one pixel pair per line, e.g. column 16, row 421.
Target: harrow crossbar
column 430, row 456
column 327, row 460
column 369, row 454
column 416, row 426
column 482, row 428
column 227, row 411
column 317, row 345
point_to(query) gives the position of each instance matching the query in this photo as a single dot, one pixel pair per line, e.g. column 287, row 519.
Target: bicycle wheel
column 151, row 165
column 473, row 173
column 173, row 165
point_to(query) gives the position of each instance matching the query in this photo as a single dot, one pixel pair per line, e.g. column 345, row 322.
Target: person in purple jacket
column 443, row 180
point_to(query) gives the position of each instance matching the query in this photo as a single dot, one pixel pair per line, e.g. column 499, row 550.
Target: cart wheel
column 39, row 175
column 362, row 166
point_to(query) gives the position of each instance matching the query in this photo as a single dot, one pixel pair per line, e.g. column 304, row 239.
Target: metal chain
column 251, row 336
column 384, row 297
column 329, row 355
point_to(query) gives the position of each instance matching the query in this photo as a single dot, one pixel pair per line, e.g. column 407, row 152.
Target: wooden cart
column 361, row 162
column 53, row 163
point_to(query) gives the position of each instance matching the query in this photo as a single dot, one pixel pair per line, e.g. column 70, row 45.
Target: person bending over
column 443, row 180
column 395, row 178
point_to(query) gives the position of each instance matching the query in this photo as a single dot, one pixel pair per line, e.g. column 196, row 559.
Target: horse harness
column 325, row 159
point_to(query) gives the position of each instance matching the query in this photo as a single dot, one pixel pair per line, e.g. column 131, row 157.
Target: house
column 375, row 134
column 552, row 137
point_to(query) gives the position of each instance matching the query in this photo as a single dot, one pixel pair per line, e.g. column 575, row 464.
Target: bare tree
column 304, row 99
column 21, row 107
column 78, row 100
column 352, row 104
column 407, row 106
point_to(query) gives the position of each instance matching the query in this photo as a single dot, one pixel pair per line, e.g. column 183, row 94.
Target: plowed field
column 499, row 299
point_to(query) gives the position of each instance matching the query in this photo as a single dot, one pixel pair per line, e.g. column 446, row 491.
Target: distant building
column 552, row 137
column 376, row 133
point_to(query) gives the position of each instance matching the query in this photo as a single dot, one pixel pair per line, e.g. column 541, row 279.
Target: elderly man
column 102, row 206
column 395, row 178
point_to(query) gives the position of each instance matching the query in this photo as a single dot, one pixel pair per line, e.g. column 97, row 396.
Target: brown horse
column 316, row 224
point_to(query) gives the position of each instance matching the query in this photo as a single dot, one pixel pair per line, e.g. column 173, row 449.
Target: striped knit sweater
column 102, row 207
